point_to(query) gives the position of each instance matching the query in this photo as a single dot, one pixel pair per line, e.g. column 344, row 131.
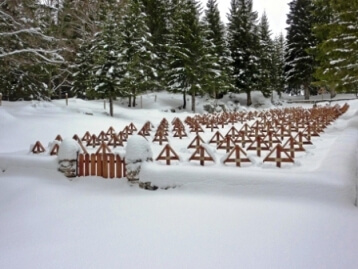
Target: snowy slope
column 300, row 216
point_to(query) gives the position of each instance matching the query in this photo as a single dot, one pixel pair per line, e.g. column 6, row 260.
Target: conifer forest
column 123, row 48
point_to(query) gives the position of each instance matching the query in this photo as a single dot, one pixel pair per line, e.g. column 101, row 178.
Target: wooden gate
column 103, row 165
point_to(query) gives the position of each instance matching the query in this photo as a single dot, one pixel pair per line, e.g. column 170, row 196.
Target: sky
column 276, row 11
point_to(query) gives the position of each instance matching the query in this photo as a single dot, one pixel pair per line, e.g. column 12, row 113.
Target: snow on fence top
column 138, row 149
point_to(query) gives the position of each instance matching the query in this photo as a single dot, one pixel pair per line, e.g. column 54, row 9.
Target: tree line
column 122, row 48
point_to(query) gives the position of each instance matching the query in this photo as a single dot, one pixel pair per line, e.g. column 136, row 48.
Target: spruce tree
column 158, row 23
column 27, row 52
column 186, row 51
column 278, row 62
column 265, row 59
column 299, row 63
column 106, row 69
column 136, row 53
column 337, row 51
column 217, row 55
column 244, row 46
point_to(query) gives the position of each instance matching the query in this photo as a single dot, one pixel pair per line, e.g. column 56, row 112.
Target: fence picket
column 119, row 166
column 86, row 164
column 93, row 164
column 111, row 165
column 80, row 165
column 99, row 164
column 105, row 165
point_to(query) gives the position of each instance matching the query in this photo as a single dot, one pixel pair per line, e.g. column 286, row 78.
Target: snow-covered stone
column 67, row 157
column 138, row 150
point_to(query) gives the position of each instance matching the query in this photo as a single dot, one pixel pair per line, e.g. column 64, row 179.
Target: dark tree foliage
column 299, row 63
column 244, row 46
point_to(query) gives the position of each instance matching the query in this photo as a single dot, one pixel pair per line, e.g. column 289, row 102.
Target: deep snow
column 260, row 216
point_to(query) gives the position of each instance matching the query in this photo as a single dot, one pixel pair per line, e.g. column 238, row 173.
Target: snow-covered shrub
column 138, row 150
column 67, row 157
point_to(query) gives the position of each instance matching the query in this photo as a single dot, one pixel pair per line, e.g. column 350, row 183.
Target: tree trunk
column 134, row 100
column 332, row 92
column 111, row 106
column 130, row 101
column 184, row 99
column 307, row 92
column 248, row 100
column 193, row 101
column 134, row 97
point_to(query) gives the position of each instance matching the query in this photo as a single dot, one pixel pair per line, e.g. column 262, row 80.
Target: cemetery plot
column 277, row 135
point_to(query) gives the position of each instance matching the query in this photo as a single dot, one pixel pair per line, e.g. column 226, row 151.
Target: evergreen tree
column 106, row 72
column 278, row 61
column 217, row 54
column 158, row 23
column 137, row 57
column 299, row 64
column 25, row 51
column 244, row 46
column 83, row 77
column 265, row 62
column 186, row 51
column 337, row 51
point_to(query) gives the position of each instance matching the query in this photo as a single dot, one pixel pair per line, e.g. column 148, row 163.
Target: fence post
column 0, row 98
column 66, row 98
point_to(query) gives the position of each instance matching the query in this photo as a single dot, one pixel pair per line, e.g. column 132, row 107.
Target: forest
column 123, row 48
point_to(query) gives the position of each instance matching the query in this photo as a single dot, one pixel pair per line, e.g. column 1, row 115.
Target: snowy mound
column 5, row 116
column 138, row 149
column 68, row 149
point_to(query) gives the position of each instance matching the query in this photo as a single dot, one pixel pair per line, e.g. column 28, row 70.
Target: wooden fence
column 104, row 165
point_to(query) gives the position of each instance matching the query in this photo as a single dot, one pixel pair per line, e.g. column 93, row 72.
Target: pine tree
column 217, row 54
column 137, row 57
column 25, row 51
column 82, row 77
column 278, row 61
column 106, row 72
column 265, row 61
column 337, row 51
column 158, row 21
column 186, row 51
column 299, row 64
column 244, row 46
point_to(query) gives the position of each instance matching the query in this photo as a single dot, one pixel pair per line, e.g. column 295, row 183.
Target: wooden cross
column 202, row 155
column 217, row 138
column 235, row 156
column 196, row 142
column 168, row 155
column 278, row 151
column 38, row 148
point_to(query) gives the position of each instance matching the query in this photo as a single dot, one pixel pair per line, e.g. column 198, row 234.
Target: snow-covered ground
column 217, row 216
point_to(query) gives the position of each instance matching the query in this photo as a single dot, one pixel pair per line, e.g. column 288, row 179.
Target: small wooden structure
column 103, row 149
column 237, row 155
column 278, row 155
column 168, row 155
column 54, row 150
column 228, row 143
column 201, row 155
column 38, row 148
column 217, row 138
column 103, row 165
column 197, row 141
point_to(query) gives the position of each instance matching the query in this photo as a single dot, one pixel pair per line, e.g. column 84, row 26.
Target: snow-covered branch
column 31, row 31
column 38, row 52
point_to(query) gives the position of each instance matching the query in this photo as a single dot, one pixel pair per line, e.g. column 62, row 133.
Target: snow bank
column 68, row 149
column 5, row 116
column 138, row 149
